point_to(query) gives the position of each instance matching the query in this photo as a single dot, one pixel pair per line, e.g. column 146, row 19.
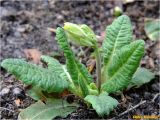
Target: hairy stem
column 98, row 67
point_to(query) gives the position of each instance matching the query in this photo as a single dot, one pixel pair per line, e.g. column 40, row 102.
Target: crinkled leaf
column 83, row 86
column 55, row 66
column 124, row 64
column 29, row 73
column 103, row 104
column 152, row 28
column 48, row 111
column 141, row 76
column 118, row 34
column 52, row 63
column 74, row 67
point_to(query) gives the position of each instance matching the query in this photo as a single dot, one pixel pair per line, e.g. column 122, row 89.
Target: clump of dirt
column 24, row 25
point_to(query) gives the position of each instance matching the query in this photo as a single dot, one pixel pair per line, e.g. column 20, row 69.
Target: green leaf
column 48, row 111
column 74, row 67
column 152, row 28
column 55, row 66
column 141, row 76
column 103, row 104
column 118, row 34
column 83, row 86
column 52, row 63
column 29, row 73
column 124, row 64
column 35, row 93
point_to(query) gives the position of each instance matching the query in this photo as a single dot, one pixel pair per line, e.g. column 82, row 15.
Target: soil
column 24, row 26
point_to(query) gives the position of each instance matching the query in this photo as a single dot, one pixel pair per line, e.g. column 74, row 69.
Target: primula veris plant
column 116, row 69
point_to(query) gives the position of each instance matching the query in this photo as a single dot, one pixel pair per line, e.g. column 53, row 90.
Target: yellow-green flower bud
column 80, row 34
column 117, row 11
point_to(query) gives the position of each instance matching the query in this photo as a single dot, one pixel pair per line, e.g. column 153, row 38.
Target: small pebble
column 17, row 34
column 19, row 93
column 60, row 17
column 147, row 95
column 5, row 12
column 134, row 95
column 4, row 91
column 21, row 29
column 156, row 87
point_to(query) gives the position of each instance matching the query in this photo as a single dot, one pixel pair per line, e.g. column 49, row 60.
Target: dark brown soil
column 24, row 25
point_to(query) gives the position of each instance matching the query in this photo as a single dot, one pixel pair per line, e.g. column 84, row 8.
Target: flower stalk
column 98, row 67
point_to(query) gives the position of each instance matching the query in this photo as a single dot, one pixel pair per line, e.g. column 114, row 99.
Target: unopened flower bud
column 117, row 11
column 80, row 34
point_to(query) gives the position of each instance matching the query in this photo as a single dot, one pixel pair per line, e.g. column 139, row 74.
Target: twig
column 156, row 95
column 52, row 30
column 132, row 108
